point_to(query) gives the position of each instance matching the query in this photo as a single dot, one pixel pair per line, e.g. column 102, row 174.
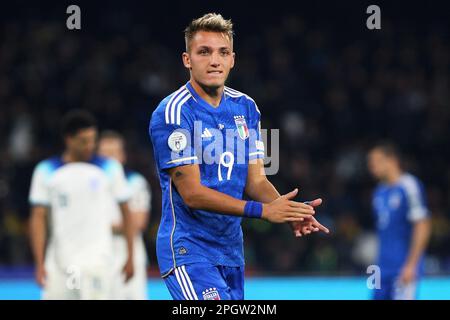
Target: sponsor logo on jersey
column 206, row 133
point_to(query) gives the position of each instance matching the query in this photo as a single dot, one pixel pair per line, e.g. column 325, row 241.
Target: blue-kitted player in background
column 208, row 149
column 403, row 224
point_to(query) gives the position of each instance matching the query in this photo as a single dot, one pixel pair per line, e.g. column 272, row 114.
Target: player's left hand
column 310, row 224
column 408, row 274
column 128, row 270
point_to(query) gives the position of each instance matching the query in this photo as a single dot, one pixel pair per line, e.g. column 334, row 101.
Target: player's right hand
column 40, row 275
column 284, row 209
column 128, row 269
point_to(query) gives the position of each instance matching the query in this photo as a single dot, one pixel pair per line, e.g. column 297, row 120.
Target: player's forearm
column 195, row 195
column 128, row 228
column 204, row 198
column 262, row 191
column 141, row 219
column 38, row 234
column 419, row 241
column 258, row 187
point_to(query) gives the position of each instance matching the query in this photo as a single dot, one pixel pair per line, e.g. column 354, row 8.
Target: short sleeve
column 256, row 144
column 415, row 196
column 140, row 194
column 39, row 193
column 173, row 141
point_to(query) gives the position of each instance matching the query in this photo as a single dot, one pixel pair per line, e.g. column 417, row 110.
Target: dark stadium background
column 329, row 84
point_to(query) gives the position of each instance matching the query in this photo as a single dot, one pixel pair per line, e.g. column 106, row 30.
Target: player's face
column 82, row 145
column 210, row 58
column 378, row 164
column 111, row 148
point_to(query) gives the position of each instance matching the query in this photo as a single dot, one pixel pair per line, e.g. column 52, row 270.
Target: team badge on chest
column 241, row 126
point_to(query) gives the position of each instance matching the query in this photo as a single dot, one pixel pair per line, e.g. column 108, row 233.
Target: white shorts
column 89, row 279
column 77, row 283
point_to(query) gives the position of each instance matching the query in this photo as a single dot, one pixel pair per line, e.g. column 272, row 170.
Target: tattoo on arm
column 178, row 174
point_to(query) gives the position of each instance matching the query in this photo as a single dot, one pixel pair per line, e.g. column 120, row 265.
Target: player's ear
column 232, row 60
column 186, row 60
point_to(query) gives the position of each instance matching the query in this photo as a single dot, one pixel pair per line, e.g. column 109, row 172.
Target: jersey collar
column 203, row 102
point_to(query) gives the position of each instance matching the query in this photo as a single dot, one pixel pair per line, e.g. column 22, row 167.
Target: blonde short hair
column 211, row 22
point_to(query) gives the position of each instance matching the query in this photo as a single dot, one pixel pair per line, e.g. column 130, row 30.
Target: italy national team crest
column 211, row 294
column 241, row 126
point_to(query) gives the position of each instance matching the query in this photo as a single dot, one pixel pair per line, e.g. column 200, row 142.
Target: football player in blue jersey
column 209, row 154
column 403, row 224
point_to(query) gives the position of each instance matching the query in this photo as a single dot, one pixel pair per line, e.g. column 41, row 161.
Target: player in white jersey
column 74, row 192
column 112, row 144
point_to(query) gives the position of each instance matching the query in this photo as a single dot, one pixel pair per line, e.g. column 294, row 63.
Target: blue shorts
column 198, row 281
column 392, row 290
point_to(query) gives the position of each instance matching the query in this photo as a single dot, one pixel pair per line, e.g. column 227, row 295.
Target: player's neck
column 211, row 95
column 69, row 157
column 393, row 176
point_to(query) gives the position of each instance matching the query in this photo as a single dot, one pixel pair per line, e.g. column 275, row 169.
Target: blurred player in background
column 200, row 242
column 402, row 221
column 112, row 144
column 75, row 191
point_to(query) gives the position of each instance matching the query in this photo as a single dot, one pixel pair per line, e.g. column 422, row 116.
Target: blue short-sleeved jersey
column 396, row 208
column 185, row 129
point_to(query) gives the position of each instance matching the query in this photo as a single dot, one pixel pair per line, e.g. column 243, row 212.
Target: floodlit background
column 318, row 74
